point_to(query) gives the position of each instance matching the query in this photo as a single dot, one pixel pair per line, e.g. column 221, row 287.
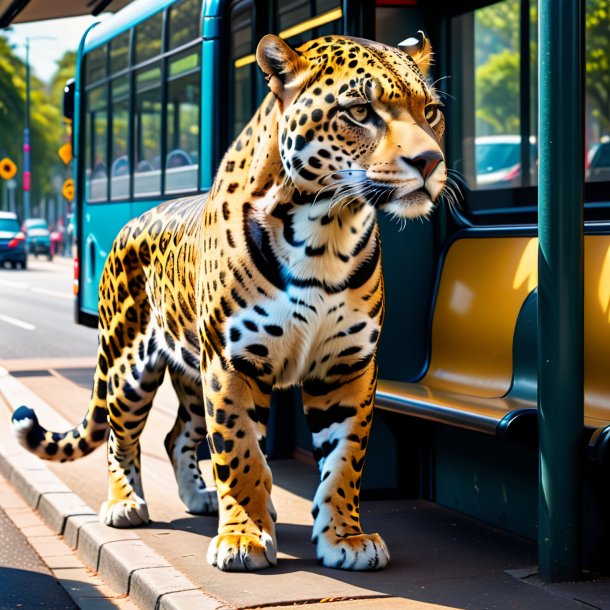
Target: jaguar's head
column 358, row 120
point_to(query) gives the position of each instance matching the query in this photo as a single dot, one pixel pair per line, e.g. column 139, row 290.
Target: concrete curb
column 119, row 556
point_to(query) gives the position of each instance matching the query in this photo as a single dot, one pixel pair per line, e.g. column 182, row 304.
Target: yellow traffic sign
column 68, row 189
column 7, row 169
column 65, row 153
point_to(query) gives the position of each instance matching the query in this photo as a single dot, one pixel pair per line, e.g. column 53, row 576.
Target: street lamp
column 27, row 181
column 26, row 136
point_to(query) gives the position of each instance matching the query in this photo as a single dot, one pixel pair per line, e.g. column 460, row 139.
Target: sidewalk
column 440, row 559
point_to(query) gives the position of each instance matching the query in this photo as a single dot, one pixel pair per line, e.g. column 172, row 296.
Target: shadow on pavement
column 27, row 589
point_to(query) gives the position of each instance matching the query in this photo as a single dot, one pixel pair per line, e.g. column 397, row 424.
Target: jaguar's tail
column 78, row 442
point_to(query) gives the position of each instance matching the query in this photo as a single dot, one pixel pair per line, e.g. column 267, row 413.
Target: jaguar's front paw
column 242, row 552
column 124, row 513
column 357, row 552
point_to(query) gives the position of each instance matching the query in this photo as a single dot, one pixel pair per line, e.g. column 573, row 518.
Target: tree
column 598, row 60
column 497, row 64
column 66, row 68
column 497, row 93
column 497, row 68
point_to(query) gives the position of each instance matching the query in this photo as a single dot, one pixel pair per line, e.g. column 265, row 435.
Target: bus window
column 147, row 179
column 183, row 101
column 302, row 20
column 243, row 62
column 148, row 38
column 97, row 144
column 393, row 24
column 597, row 92
column 119, row 53
column 96, row 65
column 184, row 23
column 119, row 165
column 494, row 134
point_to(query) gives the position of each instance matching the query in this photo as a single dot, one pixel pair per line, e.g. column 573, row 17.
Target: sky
column 49, row 40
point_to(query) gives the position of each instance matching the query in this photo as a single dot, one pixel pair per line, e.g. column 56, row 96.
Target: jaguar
column 271, row 280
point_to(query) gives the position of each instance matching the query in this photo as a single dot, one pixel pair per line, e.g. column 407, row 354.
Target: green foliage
column 497, row 64
column 497, row 93
column 497, row 68
column 497, row 29
column 597, row 59
column 66, row 67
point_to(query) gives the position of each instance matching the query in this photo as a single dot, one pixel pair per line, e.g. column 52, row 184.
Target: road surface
column 37, row 313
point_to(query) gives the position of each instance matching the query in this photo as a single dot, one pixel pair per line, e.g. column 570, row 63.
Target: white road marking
column 10, row 284
column 24, row 286
column 54, row 293
column 15, row 322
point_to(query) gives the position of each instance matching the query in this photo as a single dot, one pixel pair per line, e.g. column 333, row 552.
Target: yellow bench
column 597, row 343
column 482, row 369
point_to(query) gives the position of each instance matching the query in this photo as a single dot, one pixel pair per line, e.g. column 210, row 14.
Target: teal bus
column 163, row 86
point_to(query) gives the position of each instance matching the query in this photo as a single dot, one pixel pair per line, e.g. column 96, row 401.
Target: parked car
column 599, row 168
column 57, row 242
column 498, row 160
column 38, row 237
column 13, row 245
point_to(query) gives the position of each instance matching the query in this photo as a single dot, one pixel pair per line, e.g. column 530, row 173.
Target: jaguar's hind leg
column 132, row 385
column 181, row 445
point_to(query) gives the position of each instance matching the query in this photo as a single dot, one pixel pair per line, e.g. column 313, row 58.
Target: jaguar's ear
column 283, row 66
column 420, row 49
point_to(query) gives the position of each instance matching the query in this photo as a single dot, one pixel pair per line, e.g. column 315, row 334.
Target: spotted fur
column 273, row 280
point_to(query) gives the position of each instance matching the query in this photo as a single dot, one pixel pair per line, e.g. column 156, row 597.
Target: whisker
column 335, row 185
column 438, row 80
column 446, row 94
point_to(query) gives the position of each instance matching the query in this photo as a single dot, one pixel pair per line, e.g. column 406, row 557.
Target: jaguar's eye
column 433, row 114
column 360, row 113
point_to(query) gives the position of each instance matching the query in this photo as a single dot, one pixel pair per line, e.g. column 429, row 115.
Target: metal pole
column 26, row 135
column 560, row 296
column 12, row 185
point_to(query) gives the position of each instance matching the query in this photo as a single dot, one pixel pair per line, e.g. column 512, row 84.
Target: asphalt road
column 36, row 313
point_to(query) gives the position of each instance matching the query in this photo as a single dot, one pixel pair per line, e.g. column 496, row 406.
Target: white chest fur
column 317, row 317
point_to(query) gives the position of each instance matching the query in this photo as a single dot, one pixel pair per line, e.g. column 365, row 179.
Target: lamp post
column 26, row 136
column 27, row 179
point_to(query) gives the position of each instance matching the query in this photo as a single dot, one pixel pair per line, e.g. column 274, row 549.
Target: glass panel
column 9, row 224
column 497, row 111
column 328, row 29
column 96, row 178
column 184, row 63
column 394, row 24
column 597, row 90
column 147, row 179
column 183, row 101
column 497, row 129
column 96, row 65
column 119, row 167
column 148, row 38
column 326, row 5
column 184, row 22
column 243, row 63
column 302, row 20
column 119, row 53
column 291, row 13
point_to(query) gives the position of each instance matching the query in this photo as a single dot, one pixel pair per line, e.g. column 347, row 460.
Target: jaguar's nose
column 424, row 162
